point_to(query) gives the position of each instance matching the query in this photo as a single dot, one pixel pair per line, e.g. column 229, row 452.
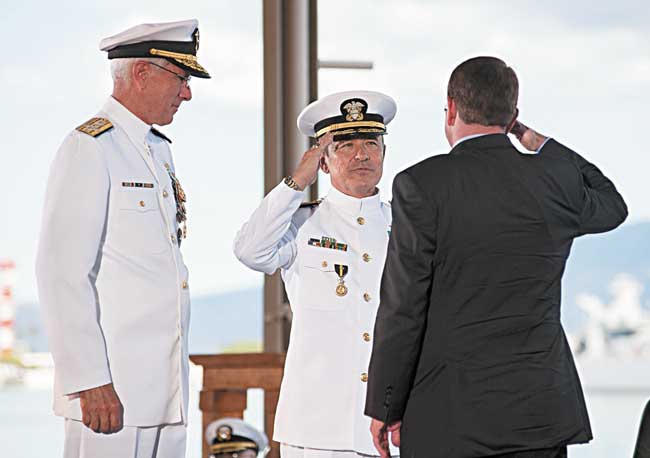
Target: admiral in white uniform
column 112, row 282
column 331, row 255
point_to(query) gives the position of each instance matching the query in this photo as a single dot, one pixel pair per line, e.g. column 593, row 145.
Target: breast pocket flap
column 138, row 200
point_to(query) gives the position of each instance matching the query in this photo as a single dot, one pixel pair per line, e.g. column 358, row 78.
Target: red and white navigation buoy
column 7, row 308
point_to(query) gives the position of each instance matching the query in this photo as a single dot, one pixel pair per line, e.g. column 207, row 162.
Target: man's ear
column 451, row 112
column 323, row 165
column 513, row 122
column 140, row 73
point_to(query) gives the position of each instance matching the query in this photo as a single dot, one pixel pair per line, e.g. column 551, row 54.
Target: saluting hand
column 307, row 170
column 101, row 409
column 529, row 139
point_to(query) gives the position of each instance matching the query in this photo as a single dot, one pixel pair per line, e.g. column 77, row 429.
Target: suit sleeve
column 72, row 229
column 404, row 303
column 601, row 207
column 267, row 241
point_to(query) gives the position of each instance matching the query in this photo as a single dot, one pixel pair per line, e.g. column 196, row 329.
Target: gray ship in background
column 612, row 348
column 618, row 329
column 606, row 309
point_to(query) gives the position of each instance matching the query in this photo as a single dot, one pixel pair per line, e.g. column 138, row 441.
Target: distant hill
column 219, row 322
column 235, row 319
column 226, row 320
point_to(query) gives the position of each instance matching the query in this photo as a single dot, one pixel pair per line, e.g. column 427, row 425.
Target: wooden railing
column 225, row 381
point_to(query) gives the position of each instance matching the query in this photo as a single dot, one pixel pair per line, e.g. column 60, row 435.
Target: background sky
column 584, row 70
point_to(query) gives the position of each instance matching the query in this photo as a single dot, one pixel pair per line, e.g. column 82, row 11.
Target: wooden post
column 226, row 378
column 290, row 83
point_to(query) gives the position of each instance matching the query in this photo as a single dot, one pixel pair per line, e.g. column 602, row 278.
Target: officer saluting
column 111, row 278
column 331, row 255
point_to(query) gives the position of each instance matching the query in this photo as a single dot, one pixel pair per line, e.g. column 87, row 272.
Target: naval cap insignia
column 354, row 109
column 195, row 36
column 224, row 433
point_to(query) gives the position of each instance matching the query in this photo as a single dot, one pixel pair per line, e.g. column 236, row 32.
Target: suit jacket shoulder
column 432, row 167
column 433, row 174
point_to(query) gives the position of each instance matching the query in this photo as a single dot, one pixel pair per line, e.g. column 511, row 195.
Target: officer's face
column 355, row 165
column 167, row 93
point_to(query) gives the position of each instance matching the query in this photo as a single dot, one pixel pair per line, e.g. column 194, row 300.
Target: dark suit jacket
column 469, row 351
column 642, row 449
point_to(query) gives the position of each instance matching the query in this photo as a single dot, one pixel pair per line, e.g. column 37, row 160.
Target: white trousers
column 131, row 442
column 291, row 451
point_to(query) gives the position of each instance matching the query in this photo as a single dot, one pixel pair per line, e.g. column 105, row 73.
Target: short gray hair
column 121, row 68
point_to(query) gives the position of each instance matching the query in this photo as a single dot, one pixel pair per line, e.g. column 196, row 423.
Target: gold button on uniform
column 366, row 337
column 364, row 377
column 366, row 297
column 165, row 194
column 173, row 237
column 366, row 257
column 324, row 264
column 142, row 203
column 361, row 220
column 184, row 285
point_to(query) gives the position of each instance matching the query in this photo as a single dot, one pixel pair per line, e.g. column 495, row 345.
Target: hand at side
column 101, row 409
column 380, row 432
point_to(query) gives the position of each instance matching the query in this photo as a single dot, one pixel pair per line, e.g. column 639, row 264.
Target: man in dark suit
column 642, row 449
column 469, row 358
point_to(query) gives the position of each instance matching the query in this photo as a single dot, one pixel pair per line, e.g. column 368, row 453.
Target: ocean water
column 28, row 429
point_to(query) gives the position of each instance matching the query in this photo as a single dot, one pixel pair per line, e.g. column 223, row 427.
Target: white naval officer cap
column 232, row 435
column 177, row 42
column 348, row 114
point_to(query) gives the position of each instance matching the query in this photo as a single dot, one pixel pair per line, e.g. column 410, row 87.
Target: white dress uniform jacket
column 324, row 386
column 111, row 279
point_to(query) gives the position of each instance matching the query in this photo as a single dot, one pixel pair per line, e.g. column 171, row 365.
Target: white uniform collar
column 353, row 205
column 135, row 127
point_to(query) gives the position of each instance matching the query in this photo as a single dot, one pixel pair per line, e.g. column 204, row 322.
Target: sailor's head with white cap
column 152, row 65
column 234, row 438
column 349, row 127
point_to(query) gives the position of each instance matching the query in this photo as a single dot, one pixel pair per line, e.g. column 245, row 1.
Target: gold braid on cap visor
column 229, row 447
column 188, row 60
column 351, row 125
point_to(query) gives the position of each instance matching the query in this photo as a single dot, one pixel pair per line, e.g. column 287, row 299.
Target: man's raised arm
column 602, row 207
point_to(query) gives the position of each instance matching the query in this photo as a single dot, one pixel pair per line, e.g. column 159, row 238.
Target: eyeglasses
column 185, row 80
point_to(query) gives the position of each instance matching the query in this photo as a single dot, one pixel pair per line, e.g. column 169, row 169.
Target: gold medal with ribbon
column 341, row 270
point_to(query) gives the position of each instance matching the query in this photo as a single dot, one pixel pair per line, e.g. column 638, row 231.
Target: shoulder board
column 95, row 126
column 312, row 204
column 158, row 133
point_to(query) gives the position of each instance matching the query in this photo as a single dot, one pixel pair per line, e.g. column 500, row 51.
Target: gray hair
column 121, row 68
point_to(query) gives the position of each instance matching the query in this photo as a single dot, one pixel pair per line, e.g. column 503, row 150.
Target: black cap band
column 142, row 49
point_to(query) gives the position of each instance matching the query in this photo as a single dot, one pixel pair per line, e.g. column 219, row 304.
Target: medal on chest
column 181, row 198
column 341, row 270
